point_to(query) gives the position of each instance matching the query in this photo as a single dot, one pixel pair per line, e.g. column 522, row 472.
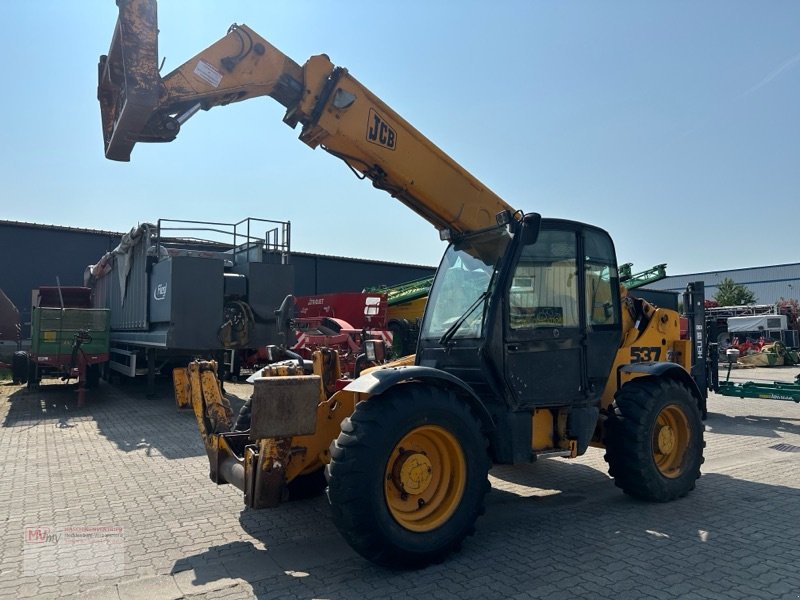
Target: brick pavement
column 555, row 529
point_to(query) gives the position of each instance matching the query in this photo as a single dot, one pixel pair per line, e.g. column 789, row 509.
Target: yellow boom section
column 333, row 108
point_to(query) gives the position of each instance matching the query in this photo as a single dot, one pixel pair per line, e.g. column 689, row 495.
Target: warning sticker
column 208, row 73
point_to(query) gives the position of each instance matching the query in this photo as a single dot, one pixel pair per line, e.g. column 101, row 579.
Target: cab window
column 544, row 287
column 601, row 277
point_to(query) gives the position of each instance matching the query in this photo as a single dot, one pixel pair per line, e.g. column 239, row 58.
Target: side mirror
column 531, row 224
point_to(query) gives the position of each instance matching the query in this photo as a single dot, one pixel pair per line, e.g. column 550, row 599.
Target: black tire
column 34, row 376
column 92, row 376
column 19, row 367
column 243, row 418
column 370, row 469
column 654, row 439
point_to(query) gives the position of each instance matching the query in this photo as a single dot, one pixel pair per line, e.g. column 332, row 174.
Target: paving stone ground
column 135, row 467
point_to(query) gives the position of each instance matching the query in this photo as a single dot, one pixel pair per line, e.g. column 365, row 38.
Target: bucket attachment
column 129, row 85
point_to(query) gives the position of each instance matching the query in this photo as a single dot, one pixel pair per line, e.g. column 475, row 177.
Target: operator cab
column 528, row 314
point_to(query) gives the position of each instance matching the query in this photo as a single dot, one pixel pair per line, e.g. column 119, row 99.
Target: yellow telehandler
column 529, row 346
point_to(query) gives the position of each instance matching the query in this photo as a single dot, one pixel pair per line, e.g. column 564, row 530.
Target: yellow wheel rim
column 671, row 441
column 425, row 478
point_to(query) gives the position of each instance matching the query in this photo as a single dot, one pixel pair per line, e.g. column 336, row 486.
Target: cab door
column 562, row 321
column 545, row 322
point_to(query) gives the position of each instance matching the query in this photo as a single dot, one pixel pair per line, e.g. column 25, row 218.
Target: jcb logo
column 379, row 132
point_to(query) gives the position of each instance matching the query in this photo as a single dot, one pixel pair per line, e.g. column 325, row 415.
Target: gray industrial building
column 768, row 284
column 35, row 255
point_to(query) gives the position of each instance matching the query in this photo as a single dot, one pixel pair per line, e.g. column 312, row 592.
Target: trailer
column 775, row 390
column 182, row 289
column 69, row 339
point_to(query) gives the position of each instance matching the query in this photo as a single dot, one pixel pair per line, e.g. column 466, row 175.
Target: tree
column 730, row 293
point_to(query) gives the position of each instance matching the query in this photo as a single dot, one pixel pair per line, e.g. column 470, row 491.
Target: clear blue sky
column 674, row 125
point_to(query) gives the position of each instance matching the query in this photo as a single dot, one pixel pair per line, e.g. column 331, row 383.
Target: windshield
column 466, row 272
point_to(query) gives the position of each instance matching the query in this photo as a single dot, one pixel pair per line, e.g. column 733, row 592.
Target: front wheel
column 408, row 476
column 654, row 439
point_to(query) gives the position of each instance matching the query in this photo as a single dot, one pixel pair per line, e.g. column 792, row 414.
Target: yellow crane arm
column 334, row 110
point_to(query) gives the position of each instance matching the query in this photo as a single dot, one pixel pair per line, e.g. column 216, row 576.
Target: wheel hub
column 425, row 478
column 666, row 439
column 671, row 441
column 412, row 473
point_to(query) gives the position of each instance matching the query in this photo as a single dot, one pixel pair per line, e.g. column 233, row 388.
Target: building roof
column 57, row 227
column 768, row 283
column 120, row 234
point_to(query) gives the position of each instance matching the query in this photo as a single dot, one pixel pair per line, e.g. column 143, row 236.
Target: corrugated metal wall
column 131, row 314
column 34, row 255
column 315, row 274
column 768, row 283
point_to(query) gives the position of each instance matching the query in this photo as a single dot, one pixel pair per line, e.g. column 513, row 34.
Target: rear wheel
column 654, row 439
column 19, row 367
column 408, row 476
column 92, row 376
column 34, row 376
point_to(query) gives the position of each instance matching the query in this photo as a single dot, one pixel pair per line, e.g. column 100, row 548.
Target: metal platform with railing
column 193, row 288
